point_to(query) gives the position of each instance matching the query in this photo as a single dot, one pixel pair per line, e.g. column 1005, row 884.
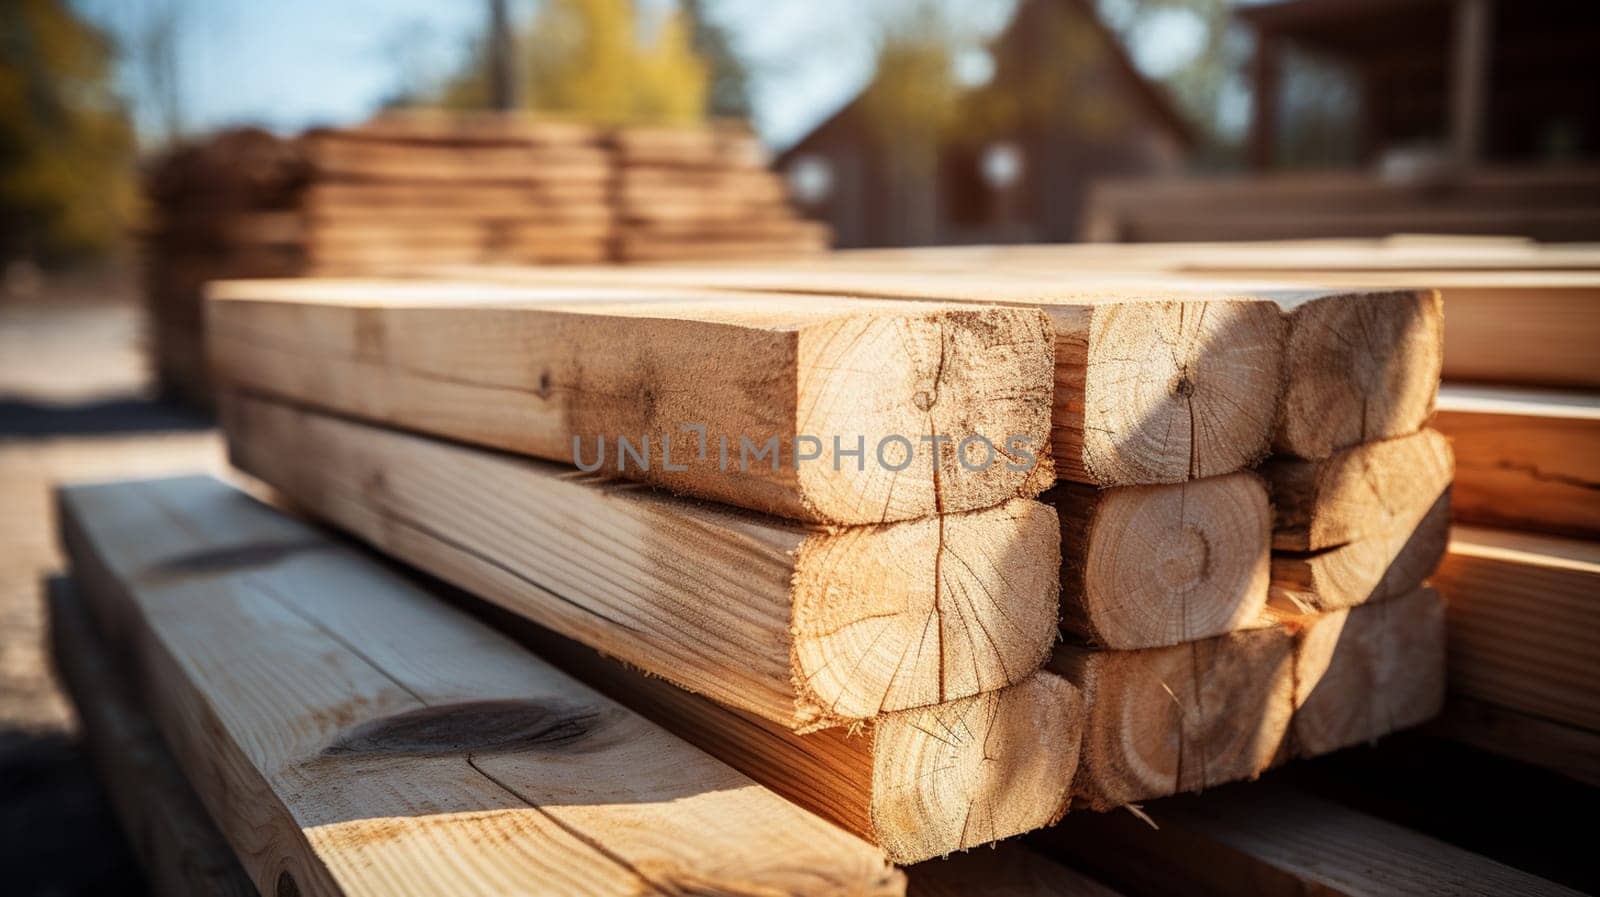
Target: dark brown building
column 1065, row 106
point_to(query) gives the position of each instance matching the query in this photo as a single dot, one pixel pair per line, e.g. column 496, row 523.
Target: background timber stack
column 411, row 189
column 704, row 193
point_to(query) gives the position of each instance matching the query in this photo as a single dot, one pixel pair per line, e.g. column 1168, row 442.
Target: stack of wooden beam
column 703, row 194
column 411, row 189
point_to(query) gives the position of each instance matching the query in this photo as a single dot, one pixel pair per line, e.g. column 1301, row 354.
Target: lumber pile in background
column 412, row 189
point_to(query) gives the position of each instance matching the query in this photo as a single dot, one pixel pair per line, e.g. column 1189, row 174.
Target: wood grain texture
column 1153, row 384
column 1360, row 366
column 1274, row 841
column 1525, row 459
column 1168, row 720
column 353, row 735
column 1361, row 491
column 1006, row 871
column 1366, row 671
column 547, row 371
column 921, row 783
column 1149, row 566
column 1524, row 614
column 178, row 847
column 1368, row 569
column 806, row 626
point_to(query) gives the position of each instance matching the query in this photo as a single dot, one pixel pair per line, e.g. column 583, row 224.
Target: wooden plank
column 1368, row 569
column 1366, row 671
column 805, row 626
column 1167, row 720
column 920, row 783
column 1524, row 614
column 1006, row 871
column 1365, row 490
column 1568, row 750
column 353, row 735
column 1360, row 366
column 179, row 849
column 545, row 371
column 1149, row 566
column 1525, row 459
column 1272, row 840
column 1152, row 384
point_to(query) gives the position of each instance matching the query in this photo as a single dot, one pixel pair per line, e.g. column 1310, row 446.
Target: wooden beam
column 1360, row 366
column 1274, row 841
column 1524, row 614
column 179, row 848
column 1167, row 720
column 1525, row 459
column 806, row 626
column 1366, row 671
column 1568, row 750
column 1368, row 569
column 1149, row 566
column 555, row 373
column 920, row 783
column 353, row 735
column 1359, row 492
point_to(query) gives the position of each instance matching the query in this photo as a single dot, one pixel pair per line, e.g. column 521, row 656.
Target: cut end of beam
column 1174, row 390
column 1370, row 569
column 1161, row 565
column 1362, row 491
column 916, row 613
column 1360, row 367
column 968, row 772
column 1185, row 718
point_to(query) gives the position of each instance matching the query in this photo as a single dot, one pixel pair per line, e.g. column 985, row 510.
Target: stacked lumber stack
column 705, row 193
column 411, row 190
column 216, row 209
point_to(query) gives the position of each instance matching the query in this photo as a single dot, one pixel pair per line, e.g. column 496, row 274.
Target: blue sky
column 289, row 64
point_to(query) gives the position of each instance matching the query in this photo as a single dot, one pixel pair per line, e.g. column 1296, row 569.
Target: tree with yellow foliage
column 588, row 59
column 66, row 146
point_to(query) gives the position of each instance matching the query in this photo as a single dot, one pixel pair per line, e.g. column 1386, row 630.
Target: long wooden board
column 179, row 848
column 1276, row 841
column 1524, row 613
column 921, row 783
column 1006, row 871
column 1362, row 491
column 1148, row 566
column 1525, row 459
column 802, row 625
column 1153, row 384
column 718, row 391
column 353, row 735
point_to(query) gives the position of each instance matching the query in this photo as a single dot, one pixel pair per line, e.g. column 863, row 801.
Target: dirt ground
column 75, row 404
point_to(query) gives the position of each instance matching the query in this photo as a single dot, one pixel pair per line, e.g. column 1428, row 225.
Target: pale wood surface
column 353, row 735
column 1364, row 672
column 1359, row 366
column 1148, row 566
column 921, row 783
column 1368, row 569
column 1366, row 490
column 1167, row 720
column 1524, row 615
column 531, row 370
column 803, row 625
column 1276, row 841
column 1006, row 871
column 1154, row 382
column 1525, row 459
column 179, row 848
